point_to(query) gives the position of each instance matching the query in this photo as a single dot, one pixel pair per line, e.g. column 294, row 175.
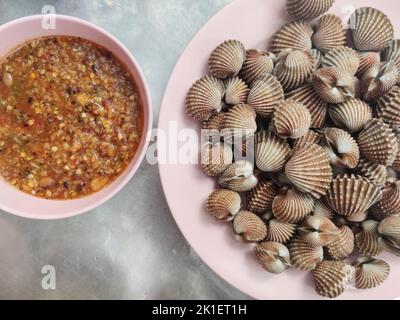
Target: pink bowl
column 16, row 32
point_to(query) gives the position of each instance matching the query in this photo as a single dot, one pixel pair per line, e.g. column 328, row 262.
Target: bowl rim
column 147, row 126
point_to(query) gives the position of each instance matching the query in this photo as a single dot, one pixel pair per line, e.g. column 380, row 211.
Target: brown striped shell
column 279, row 231
column 261, row 197
column 309, row 170
column 389, row 229
column 239, row 123
column 388, row 108
column 305, row 256
column 318, row 230
column 294, row 35
column 307, row 96
column 236, row 91
column 321, row 209
column 370, row 272
column 368, row 240
column 371, row 29
column 204, row 98
column 257, row 64
column 367, row 60
column 291, row 120
column 214, row 123
column 249, row 227
column 378, row 143
column 271, row 152
column 223, row 204
column 358, row 218
column 307, row 9
column 329, row 33
column 343, row 58
column 376, row 173
column 389, row 205
column 309, row 138
column 392, row 53
column 343, row 245
column 239, row 177
column 291, row 206
column 215, row 158
column 274, row 257
column 227, row 59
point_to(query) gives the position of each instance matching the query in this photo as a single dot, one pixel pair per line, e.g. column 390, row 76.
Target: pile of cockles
column 323, row 108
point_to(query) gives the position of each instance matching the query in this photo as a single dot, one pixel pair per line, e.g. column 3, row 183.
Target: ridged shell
column 249, row 227
column 321, row 209
column 317, row 56
column 390, row 203
column 257, row 64
column 367, row 60
column 352, row 114
column 309, row 138
column 216, row 158
column 378, row 80
column 305, row 256
column 371, row 29
column 307, row 96
column 291, row 120
column 309, row 170
column 279, row 231
column 391, row 175
column 392, row 53
column 377, row 173
column 307, row 9
column 388, row 108
column 239, row 123
column 344, row 58
column 265, row 96
column 329, row 33
column 280, row 179
column 294, row 35
column 370, row 273
column 358, row 218
column 352, row 195
column 291, row 206
column 273, row 256
column 318, row 231
column 396, row 163
column 271, row 152
column 389, row 228
column 215, row 122
column 341, row 148
column 204, row 98
column 236, row 91
column 343, row 245
column 227, row 59
column 261, row 197
column 368, row 241
column 239, row 177
column 293, row 68
column 331, row 278
column 378, row 143
column 223, row 204
column 334, row 85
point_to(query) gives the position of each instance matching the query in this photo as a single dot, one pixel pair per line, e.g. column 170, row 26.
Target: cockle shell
column 331, row 278
column 309, row 138
column 307, row 9
column 214, row 123
column 370, row 272
column 378, row 80
column 249, row 227
column 236, row 91
column 309, row 170
column 378, row 143
column 350, row 195
column 215, row 158
column 334, row 85
column 376, row 173
column 273, row 256
column 239, row 177
column 293, row 68
column 392, row 53
column 318, row 231
column 343, row 245
column 396, row 163
column 204, row 98
column 341, row 148
column 279, row 231
column 291, row 206
column 321, row 209
column 227, row 59
column 329, row 33
column 391, row 175
column 368, row 240
column 304, row 255
column 390, row 203
column 265, row 95
column 351, row 115
column 239, row 123
column 294, row 35
column 358, row 218
column 317, row 56
column 389, row 229
column 388, row 107
column 257, row 64
column 343, row 58
column 307, row 96
column 371, row 29
column 280, row 179
column 291, row 120
column 367, row 60
column 260, row 198
column 271, row 152
column 223, row 204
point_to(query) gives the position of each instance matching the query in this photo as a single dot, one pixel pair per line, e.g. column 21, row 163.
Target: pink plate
column 186, row 187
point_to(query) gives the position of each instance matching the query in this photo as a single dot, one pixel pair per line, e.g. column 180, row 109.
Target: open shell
column 388, row 108
column 236, row 91
column 227, row 59
column 249, row 227
column 273, row 256
column 261, row 197
column 371, row 29
column 309, row 170
column 376, row 173
column 318, row 231
column 307, row 9
column 223, row 204
column 239, row 123
column 329, row 33
column 343, row 245
column 305, row 256
column 239, row 177
column 343, row 58
column 309, row 138
column 368, row 240
column 257, row 64
column 370, row 272
column 215, row 158
column 294, row 35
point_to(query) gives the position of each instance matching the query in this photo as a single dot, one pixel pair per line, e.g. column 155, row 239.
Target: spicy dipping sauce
column 70, row 118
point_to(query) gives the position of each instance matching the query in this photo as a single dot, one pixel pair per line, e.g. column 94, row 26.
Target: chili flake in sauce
column 70, row 118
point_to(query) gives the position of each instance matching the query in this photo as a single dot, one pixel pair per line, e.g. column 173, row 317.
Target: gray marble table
column 130, row 248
